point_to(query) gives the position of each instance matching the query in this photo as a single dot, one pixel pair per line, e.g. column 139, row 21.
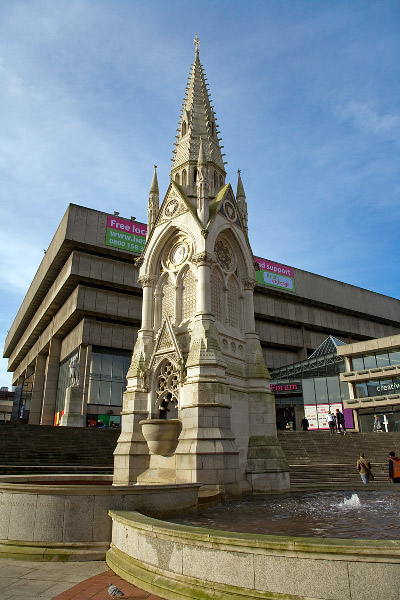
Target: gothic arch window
column 195, row 174
column 221, row 181
column 233, row 302
column 184, row 177
column 184, row 128
column 188, row 296
column 167, row 299
column 213, row 128
column 177, row 178
column 167, row 390
column 217, row 294
column 215, row 181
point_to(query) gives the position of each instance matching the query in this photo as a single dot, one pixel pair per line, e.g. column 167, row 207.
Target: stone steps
column 319, row 459
column 45, row 449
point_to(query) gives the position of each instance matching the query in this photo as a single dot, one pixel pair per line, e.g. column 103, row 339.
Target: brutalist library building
column 84, row 306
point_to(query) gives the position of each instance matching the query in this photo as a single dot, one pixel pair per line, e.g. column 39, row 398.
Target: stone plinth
column 72, row 416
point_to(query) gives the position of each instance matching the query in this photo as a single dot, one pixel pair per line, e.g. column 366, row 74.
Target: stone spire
column 241, row 202
column 153, row 205
column 197, row 121
column 202, row 187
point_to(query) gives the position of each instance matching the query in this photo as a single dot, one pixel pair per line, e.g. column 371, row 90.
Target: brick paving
column 96, row 588
column 32, row 580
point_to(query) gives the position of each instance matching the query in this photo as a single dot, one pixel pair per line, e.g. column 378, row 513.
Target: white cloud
column 366, row 118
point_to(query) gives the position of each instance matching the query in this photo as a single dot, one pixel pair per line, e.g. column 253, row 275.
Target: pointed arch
column 184, row 177
column 177, row 178
column 184, row 128
column 217, row 294
column 167, row 389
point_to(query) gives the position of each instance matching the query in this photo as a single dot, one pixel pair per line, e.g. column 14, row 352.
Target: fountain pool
column 367, row 514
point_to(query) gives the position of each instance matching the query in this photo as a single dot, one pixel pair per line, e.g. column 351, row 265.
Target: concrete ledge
column 42, row 518
column 52, row 552
column 177, row 561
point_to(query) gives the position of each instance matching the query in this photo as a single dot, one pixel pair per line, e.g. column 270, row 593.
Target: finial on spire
column 154, row 183
column 197, row 42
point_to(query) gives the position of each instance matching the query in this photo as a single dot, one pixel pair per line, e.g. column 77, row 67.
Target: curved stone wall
column 177, row 562
column 69, row 521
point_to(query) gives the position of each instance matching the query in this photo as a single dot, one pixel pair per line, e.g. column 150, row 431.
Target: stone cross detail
column 197, row 42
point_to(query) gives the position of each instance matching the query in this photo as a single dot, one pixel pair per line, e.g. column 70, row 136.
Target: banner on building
column 317, row 414
column 125, row 234
column 275, row 275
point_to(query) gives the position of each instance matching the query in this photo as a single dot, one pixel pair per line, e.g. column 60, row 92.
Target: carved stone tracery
column 223, row 253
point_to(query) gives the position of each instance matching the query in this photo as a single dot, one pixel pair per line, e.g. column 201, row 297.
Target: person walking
column 340, row 421
column 305, row 424
column 378, row 425
column 330, row 419
column 364, row 468
column 394, row 467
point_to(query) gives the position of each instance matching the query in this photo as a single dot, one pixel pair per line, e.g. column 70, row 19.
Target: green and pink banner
column 125, row 234
column 275, row 275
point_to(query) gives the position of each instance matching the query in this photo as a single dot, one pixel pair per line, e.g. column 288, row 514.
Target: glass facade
column 376, row 360
column 107, row 377
column 381, row 387
column 319, row 380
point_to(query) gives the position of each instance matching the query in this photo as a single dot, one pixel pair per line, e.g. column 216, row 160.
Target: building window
column 394, row 357
column 371, row 361
column 177, row 178
column 184, row 128
column 107, row 377
column 184, row 177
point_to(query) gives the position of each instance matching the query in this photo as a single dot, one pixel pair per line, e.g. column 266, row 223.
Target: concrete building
column 6, row 404
column 372, row 373
column 84, row 303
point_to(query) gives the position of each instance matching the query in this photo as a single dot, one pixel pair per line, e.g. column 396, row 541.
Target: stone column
column 203, row 261
column 248, row 286
column 37, row 390
column 207, row 452
column 147, row 282
column 267, row 469
column 131, row 456
column 51, row 381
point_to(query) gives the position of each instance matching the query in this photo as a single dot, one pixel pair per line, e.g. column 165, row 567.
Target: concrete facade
column 373, row 376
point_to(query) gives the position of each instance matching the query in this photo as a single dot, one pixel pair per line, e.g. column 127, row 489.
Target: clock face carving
column 178, row 253
column 171, row 207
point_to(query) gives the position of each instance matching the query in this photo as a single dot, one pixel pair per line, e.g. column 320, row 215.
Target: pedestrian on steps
column 330, row 419
column 340, row 421
column 364, row 468
column 394, row 467
column 305, row 424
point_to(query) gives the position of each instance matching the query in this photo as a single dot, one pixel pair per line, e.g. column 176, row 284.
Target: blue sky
column 308, row 103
